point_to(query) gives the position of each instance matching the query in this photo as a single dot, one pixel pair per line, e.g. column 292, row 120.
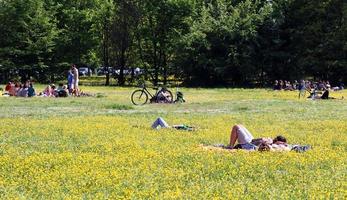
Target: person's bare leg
column 233, row 136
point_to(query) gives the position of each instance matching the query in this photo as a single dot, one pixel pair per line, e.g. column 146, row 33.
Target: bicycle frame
column 146, row 91
column 144, row 88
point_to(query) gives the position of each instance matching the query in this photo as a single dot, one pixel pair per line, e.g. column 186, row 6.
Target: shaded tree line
column 201, row 42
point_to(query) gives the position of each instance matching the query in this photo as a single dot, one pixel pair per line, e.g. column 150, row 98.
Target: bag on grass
column 180, row 98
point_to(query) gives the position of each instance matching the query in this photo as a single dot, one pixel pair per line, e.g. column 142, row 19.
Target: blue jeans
column 161, row 123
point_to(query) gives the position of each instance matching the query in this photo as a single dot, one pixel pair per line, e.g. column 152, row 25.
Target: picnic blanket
column 222, row 147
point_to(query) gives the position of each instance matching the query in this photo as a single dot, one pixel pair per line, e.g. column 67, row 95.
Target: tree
column 79, row 37
column 27, row 37
column 124, row 22
column 220, row 47
column 312, row 40
column 161, row 25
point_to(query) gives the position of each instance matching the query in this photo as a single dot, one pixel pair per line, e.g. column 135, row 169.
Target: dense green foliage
column 202, row 42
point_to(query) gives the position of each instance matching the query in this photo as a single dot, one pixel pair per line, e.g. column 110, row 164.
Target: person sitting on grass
column 163, row 97
column 246, row 141
column 8, row 86
column 23, row 91
column 161, row 123
column 325, row 95
column 31, row 90
column 12, row 91
column 47, row 92
column 62, row 91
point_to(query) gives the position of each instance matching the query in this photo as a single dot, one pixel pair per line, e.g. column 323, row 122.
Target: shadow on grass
column 119, row 107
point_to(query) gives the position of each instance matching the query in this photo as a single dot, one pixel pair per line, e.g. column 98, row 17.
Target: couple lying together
column 244, row 138
column 246, row 141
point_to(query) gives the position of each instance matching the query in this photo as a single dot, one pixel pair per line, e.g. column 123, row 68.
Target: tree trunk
column 106, row 52
column 165, row 68
column 121, row 72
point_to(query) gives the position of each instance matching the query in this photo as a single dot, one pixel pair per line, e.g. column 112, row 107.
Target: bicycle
column 162, row 95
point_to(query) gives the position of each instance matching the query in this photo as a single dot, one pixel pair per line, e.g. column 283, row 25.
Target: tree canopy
column 201, row 42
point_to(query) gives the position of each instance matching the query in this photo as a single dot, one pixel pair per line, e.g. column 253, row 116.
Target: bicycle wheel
column 169, row 96
column 139, row 97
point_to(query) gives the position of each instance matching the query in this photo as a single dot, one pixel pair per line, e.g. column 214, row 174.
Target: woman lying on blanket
column 246, row 141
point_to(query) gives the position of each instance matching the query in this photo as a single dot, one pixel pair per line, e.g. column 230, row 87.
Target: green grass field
column 102, row 147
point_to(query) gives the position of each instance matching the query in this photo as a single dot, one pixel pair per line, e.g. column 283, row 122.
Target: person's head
column 264, row 147
column 73, row 66
column 279, row 138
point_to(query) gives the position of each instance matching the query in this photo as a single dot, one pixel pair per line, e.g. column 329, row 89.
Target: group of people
column 305, row 84
column 27, row 89
column 246, row 141
column 52, row 91
column 71, row 88
column 20, row 89
column 72, row 81
column 285, row 85
column 317, row 90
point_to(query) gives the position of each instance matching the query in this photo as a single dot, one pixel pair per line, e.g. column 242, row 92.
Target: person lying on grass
column 246, row 141
column 161, row 123
column 325, row 95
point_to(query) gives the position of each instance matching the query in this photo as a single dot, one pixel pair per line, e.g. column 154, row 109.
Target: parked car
column 137, row 71
column 84, row 71
column 125, row 71
column 102, row 71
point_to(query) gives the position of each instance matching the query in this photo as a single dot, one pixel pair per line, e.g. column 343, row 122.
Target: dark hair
column 280, row 138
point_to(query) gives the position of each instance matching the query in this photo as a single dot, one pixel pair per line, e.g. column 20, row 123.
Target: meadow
column 102, row 147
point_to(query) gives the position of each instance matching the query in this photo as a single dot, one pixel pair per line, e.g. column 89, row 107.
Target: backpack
column 179, row 98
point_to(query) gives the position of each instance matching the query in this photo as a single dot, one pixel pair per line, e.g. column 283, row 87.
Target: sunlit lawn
column 102, row 147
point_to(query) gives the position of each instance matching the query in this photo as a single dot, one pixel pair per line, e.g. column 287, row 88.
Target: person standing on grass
column 70, row 81
column 75, row 80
